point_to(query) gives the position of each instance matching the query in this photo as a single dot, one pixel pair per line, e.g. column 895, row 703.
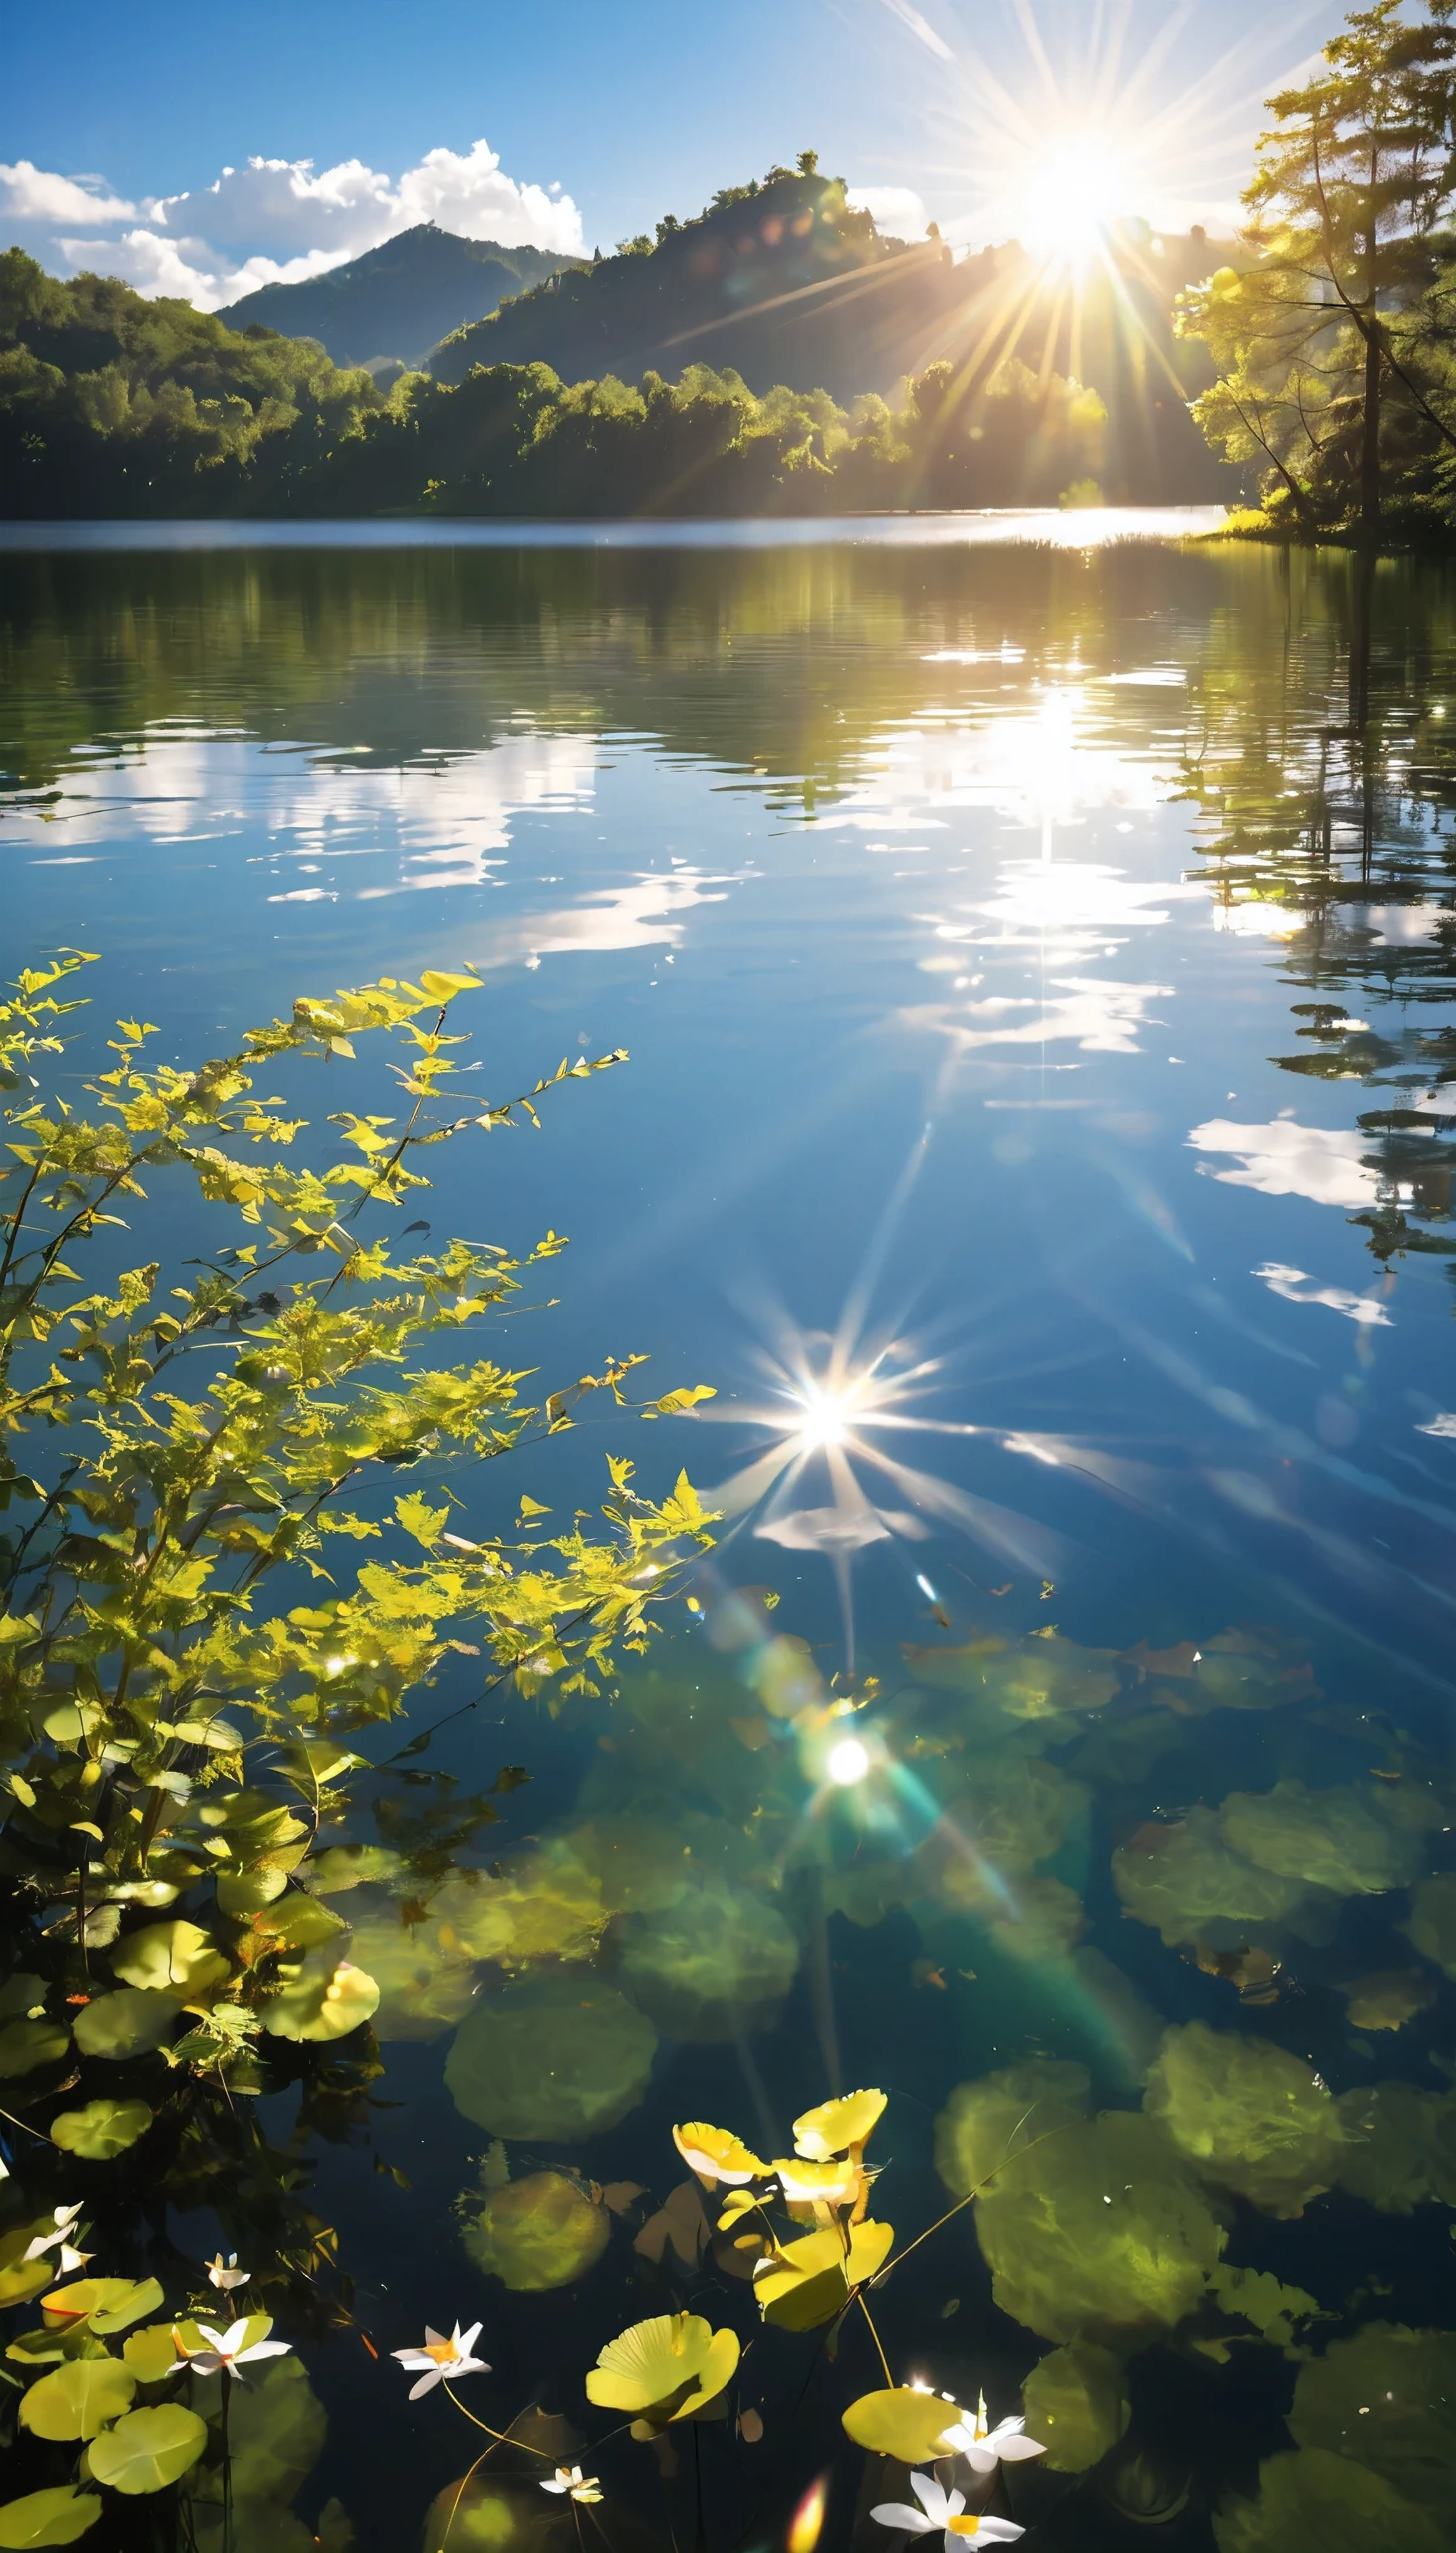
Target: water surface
column 1037, row 965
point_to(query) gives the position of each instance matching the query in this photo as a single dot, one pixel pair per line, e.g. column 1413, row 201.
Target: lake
column 1035, row 949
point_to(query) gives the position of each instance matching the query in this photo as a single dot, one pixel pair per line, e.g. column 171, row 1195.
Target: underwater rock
column 718, row 1961
column 1314, row 2499
column 1105, row 2233
column 540, row 2232
column 1430, row 1927
column 1248, row 2114
column 1386, row 2397
column 1076, row 2404
column 553, row 2057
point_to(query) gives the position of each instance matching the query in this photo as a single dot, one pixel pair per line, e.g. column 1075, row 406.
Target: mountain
column 398, row 299
column 784, row 281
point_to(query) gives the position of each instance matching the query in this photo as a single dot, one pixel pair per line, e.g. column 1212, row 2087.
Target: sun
column 1068, row 200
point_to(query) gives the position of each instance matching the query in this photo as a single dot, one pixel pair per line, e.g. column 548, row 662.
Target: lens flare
column 848, row 1762
column 807, row 2523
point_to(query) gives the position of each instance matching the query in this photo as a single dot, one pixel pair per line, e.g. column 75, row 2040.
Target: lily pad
column 152, row 2352
column 551, row 2057
column 836, row 2126
column 177, row 1958
column 324, row 1998
column 425, row 1989
column 26, row 2045
column 901, row 2422
column 805, row 2283
column 718, row 1961
column 47, row 2517
column 102, row 2128
column 669, row 2367
column 147, row 2449
column 75, row 2401
column 1076, row 2405
column 129, row 2022
column 101, row 2305
column 540, row 2232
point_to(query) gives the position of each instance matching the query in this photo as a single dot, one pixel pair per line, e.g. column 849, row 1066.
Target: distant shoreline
column 1053, row 528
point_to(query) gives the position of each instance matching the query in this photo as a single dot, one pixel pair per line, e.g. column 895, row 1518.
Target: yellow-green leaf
column 57, row 2517
column 176, row 1958
column 326, row 1999
column 147, row 2449
column 126, row 2023
column 836, row 2126
column 807, row 2283
column 152, row 2352
column 666, row 2368
column 75, row 2401
column 100, row 2304
column 102, row 2128
column 902, row 2423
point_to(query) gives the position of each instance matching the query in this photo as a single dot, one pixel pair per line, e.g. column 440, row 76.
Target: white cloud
column 896, row 209
column 277, row 221
column 29, row 194
column 1101, row 1017
column 1285, row 1159
column 1297, row 1287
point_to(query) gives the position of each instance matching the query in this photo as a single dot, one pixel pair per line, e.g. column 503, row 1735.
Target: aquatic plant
column 544, row 2231
column 1251, row 2117
column 550, row 2057
column 1076, row 2399
column 118, row 2405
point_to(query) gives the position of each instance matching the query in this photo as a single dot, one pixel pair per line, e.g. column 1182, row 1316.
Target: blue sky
column 629, row 109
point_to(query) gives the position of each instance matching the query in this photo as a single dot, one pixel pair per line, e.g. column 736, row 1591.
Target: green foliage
column 48, row 2517
column 113, row 404
column 1334, row 347
column 110, row 404
column 186, row 1667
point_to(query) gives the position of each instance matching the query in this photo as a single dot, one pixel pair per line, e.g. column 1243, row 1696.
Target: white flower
column 983, row 2449
column 570, row 2477
column 225, row 2273
column 441, row 2358
column 67, row 2257
column 228, row 2349
column 943, row 2513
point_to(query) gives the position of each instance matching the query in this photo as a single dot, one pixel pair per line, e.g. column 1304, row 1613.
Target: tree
column 1333, row 371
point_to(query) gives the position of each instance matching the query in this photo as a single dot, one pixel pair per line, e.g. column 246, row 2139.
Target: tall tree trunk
column 1370, row 446
column 1370, row 443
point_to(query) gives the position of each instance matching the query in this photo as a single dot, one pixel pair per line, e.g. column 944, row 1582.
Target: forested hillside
column 112, row 406
column 399, row 300
column 785, row 282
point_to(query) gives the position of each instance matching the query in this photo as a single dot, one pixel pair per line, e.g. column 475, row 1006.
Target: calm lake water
column 1038, row 970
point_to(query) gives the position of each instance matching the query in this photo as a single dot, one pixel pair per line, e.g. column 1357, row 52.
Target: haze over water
column 1022, row 947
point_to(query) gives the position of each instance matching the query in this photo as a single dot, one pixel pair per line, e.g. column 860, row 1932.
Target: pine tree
column 1330, row 347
